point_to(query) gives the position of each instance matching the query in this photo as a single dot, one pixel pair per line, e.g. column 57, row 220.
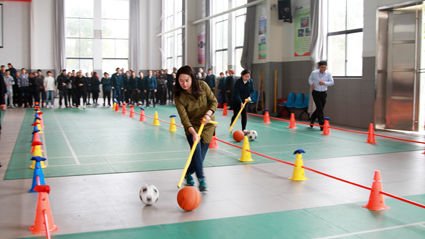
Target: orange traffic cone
column 39, row 113
column 376, row 199
column 225, row 109
column 266, row 117
column 292, row 122
column 124, row 109
column 213, row 144
column 117, row 107
column 43, row 215
column 326, row 130
column 34, row 144
column 142, row 114
column 131, row 111
column 371, row 135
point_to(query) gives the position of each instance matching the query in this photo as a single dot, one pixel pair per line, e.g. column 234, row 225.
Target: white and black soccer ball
column 149, row 194
column 252, row 135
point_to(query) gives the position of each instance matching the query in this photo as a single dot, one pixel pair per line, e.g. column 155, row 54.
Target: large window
column 172, row 43
column 79, row 35
column 111, row 40
column 345, row 37
column 115, row 34
column 228, row 36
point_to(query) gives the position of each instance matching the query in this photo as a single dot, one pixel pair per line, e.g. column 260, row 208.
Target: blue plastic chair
column 298, row 101
column 291, row 100
column 304, row 106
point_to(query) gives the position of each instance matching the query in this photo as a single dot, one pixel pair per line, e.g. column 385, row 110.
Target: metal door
column 402, row 96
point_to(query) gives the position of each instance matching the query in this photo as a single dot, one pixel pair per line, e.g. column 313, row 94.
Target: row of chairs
column 298, row 102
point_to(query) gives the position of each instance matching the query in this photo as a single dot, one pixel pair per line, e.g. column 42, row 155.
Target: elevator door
column 402, row 95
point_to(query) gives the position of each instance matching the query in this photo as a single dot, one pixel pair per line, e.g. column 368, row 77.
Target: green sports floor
column 114, row 155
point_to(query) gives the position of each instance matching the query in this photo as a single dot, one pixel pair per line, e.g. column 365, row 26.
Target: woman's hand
column 206, row 119
column 248, row 99
column 242, row 106
column 196, row 137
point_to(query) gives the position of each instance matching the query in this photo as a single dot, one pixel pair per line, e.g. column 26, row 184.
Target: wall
column 16, row 34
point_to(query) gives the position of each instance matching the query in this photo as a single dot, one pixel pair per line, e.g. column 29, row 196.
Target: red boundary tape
column 313, row 170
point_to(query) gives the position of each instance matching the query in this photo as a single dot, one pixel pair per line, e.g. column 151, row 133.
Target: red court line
column 318, row 172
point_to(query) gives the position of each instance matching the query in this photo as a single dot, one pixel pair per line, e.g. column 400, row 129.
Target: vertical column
column 97, row 41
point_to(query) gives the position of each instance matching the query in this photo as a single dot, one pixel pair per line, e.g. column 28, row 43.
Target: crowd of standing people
column 76, row 89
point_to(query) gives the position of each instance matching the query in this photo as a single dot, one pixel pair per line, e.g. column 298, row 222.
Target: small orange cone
column 41, row 118
column 292, row 122
column 124, row 109
column 131, row 111
column 142, row 114
column 43, row 212
column 326, row 130
column 371, row 135
column 213, row 144
column 266, row 117
column 34, row 144
column 225, row 109
column 117, row 107
column 376, row 199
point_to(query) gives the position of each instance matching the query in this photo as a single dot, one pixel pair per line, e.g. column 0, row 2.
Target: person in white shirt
column 8, row 79
column 319, row 80
column 49, row 88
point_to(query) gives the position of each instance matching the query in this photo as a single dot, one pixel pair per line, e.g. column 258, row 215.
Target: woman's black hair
column 244, row 72
column 188, row 70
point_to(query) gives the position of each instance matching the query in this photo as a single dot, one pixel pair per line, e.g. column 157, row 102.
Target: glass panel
column 86, row 47
column 72, row 8
column 170, row 47
column 336, row 55
column 72, row 64
column 221, row 61
column 115, row 29
column 355, row 15
column 354, row 55
column 178, row 5
column 86, row 65
column 179, row 44
column 72, row 47
column 179, row 20
column 110, row 65
column 238, row 57
column 179, row 62
column 86, row 28
column 169, row 65
column 108, row 48
column 239, row 3
column 169, row 23
column 72, row 27
column 86, row 8
column 115, row 9
column 121, row 47
column 240, row 30
column 336, row 15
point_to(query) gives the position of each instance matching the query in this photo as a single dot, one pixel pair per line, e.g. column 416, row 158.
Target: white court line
column 375, row 230
column 66, row 139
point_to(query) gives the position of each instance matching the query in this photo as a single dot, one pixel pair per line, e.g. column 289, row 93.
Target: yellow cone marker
column 246, row 156
column 298, row 174
column 37, row 153
column 172, row 124
column 155, row 119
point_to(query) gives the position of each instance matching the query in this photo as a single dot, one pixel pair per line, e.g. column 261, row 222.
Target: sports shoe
column 202, row 185
column 189, row 180
column 79, row 107
column 84, row 107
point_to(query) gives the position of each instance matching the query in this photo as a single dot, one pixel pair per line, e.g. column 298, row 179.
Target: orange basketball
column 238, row 135
column 189, row 198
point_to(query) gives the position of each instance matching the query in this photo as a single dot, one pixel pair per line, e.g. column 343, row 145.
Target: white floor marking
column 66, row 139
column 375, row 230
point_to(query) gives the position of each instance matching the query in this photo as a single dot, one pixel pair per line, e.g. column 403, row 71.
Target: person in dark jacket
column 73, row 89
column 12, row 72
column 62, row 87
column 170, row 84
column 242, row 91
column 210, row 80
column 230, row 82
column 39, row 84
column 86, row 87
column 222, row 88
column 117, row 85
column 32, row 89
column 150, row 88
column 95, row 88
column 141, row 87
column 133, row 88
column 162, row 88
column 127, row 88
column 78, row 86
column 106, row 87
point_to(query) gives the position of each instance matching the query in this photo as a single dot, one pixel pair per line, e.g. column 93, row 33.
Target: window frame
column 345, row 33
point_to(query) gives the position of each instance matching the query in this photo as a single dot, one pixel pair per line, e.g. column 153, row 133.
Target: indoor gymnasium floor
column 99, row 159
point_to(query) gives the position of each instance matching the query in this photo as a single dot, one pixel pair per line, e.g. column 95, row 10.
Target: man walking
column 319, row 80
